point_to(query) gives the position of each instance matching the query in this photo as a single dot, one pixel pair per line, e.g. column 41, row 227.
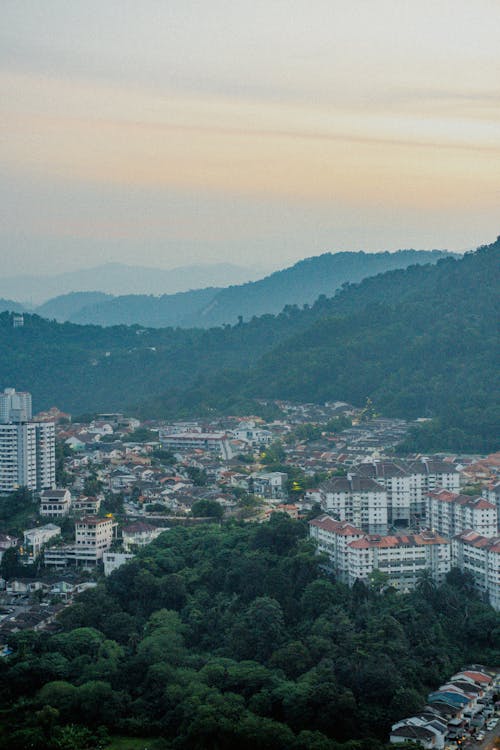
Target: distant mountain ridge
column 299, row 284
column 119, row 278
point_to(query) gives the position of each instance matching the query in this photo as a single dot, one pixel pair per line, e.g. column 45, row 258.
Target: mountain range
column 119, row 278
column 206, row 307
column 420, row 342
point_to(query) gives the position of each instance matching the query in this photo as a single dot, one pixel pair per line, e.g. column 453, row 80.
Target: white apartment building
column 428, row 475
column 480, row 556
column 397, row 482
column 407, row 484
column 359, row 501
column 213, row 442
column 55, row 503
column 354, row 555
column 451, row 514
column 255, row 436
column 401, row 557
column 492, row 493
column 93, row 537
column 27, row 448
column 15, row 406
column 332, row 538
column 86, row 505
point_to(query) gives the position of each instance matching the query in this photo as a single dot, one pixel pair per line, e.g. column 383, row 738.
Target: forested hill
column 304, row 282
column 232, row 637
column 300, row 284
column 419, row 342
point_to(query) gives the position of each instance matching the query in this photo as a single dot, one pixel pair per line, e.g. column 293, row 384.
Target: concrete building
column 34, row 539
column 333, row 538
column 55, row 503
column 354, row 555
column 15, row 406
column 212, row 442
column 402, row 558
column 139, row 534
column 268, row 484
column 480, row 556
column 359, row 501
column 93, row 537
column 27, row 448
column 114, row 560
column 451, row 514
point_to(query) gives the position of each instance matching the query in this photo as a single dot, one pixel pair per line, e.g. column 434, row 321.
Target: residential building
column 27, row 448
column 358, row 500
column 271, row 484
column 451, row 514
column 15, row 406
column 6, row 542
column 354, row 555
column 114, row 560
column 480, row 556
column 93, row 537
column 139, row 534
column 428, row 475
column 332, row 538
column 403, row 558
column 86, row 505
column 55, row 503
column 213, row 442
column 492, row 493
column 34, row 539
column 396, row 481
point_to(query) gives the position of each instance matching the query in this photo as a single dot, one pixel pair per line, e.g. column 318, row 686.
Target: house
column 114, row 560
column 86, row 505
column 271, row 484
column 139, row 534
column 34, row 539
column 6, row 542
column 55, row 503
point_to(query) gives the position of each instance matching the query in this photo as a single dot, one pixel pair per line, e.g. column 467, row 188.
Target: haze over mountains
column 210, row 306
column 118, row 278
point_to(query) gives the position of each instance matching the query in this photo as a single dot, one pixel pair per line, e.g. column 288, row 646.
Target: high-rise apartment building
column 27, row 448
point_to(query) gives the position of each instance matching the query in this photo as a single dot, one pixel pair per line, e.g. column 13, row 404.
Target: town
column 82, row 496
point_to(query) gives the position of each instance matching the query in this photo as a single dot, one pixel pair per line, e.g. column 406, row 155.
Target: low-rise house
column 114, row 560
column 139, row 534
column 55, row 503
column 86, row 505
column 34, row 539
column 6, row 542
column 268, row 484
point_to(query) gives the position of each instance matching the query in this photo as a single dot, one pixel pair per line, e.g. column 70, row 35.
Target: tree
column 207, row 508
column 10, row 566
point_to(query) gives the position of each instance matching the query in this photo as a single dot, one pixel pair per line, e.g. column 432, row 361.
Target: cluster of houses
column 456, row 711
column 378, row 512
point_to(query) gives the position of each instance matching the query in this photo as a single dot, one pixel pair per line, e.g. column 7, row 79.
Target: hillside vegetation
column 420, row 342
column 222, row 638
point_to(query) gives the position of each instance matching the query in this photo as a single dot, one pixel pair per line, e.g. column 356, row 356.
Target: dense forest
column 420, row 342
column 232, row 636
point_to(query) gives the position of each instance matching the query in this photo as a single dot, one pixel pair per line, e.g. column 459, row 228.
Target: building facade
column 451, row 514
column 27, row 448
column 359, row 501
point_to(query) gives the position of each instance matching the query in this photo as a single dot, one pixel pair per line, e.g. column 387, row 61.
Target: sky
column 172, row 132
